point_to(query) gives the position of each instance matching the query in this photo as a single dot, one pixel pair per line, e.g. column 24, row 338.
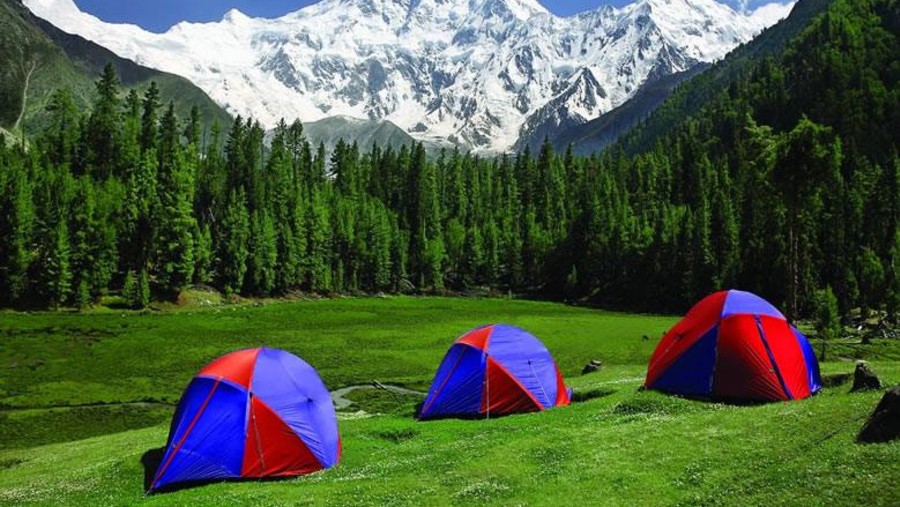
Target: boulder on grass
column 864, row 378
column 591, row 367
column 884, row 423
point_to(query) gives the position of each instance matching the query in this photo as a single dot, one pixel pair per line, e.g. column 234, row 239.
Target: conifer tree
column 149, row 118
column 56, row 268
column 233, row 251
column 203, row 255
column 103, row 127
column 263, row 255
column 173, row 239
column 17, row 221
column 63, row 131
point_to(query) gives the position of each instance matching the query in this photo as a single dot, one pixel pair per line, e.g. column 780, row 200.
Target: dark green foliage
column 828, row 320
column 893, row 272
column 233, row 249
column 174, row 242
column 56, row 269
column 128, row 288
column 136, row 291
column 786, row 180
column 263, row 255
column 16, row 228
column 871, row 280
column 203, row 258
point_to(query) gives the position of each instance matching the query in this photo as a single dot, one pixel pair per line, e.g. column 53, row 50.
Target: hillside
column 663, row 104
column 691, row 96
column 114, row 376
column 785, row 179
column 599, row 133
column 784, row 183
column 364, row 133
column 41, row 59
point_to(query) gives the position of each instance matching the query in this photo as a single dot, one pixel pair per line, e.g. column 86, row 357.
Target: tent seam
column 775, row 368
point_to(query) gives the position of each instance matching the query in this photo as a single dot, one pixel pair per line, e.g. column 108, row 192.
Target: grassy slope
column 66, row 360
column 621, row 447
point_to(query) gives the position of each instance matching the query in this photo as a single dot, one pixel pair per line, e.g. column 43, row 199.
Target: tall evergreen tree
column 103, row 132
column 173, row 239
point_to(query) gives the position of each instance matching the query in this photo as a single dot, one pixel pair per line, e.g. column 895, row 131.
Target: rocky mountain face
column 479, row 74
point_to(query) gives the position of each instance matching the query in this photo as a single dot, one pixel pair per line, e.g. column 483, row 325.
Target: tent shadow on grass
column 463, row 417
column 714, row 400
column 151, row 461
column 577, row 397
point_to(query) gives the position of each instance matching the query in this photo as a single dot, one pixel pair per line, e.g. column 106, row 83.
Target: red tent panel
column 272, row 448
column 503, row 394
column 744, row 369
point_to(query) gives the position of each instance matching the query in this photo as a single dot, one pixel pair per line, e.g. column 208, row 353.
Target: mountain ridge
column 466, row 72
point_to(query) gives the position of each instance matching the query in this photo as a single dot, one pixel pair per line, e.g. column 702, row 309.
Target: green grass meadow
column 84, row 398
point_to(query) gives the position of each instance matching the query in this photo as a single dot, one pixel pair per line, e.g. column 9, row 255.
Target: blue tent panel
column 692, row 373
column 738, row 301
column 458, row 385
column 812, row 365
column 293, row 389
column 527, row 359
column 208, row 442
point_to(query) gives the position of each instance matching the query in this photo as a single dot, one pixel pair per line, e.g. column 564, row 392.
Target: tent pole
column 487, row 383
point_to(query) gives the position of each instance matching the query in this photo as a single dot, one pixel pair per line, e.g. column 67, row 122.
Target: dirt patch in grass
column 655, row 404
column 6, row 464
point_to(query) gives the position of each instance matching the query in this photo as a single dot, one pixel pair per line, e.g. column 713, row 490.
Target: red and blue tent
column 735, row 345
column 251, row 414
column 495, row 370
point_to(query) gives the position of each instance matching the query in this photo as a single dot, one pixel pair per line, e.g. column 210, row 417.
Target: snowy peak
column 704, row 30
column 476, row 73
column 518, row 9
column 235, row 17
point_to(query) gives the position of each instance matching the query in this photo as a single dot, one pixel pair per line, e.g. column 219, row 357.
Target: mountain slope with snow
column 476, row 73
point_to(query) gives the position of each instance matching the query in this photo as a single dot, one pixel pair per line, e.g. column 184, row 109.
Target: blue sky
column 159, row 15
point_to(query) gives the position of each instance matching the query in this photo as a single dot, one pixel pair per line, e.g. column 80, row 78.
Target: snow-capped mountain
column 476, row 73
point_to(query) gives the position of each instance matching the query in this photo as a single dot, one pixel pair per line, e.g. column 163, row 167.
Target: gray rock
column 591, row 367
column 864, row 378
column 884, row 423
